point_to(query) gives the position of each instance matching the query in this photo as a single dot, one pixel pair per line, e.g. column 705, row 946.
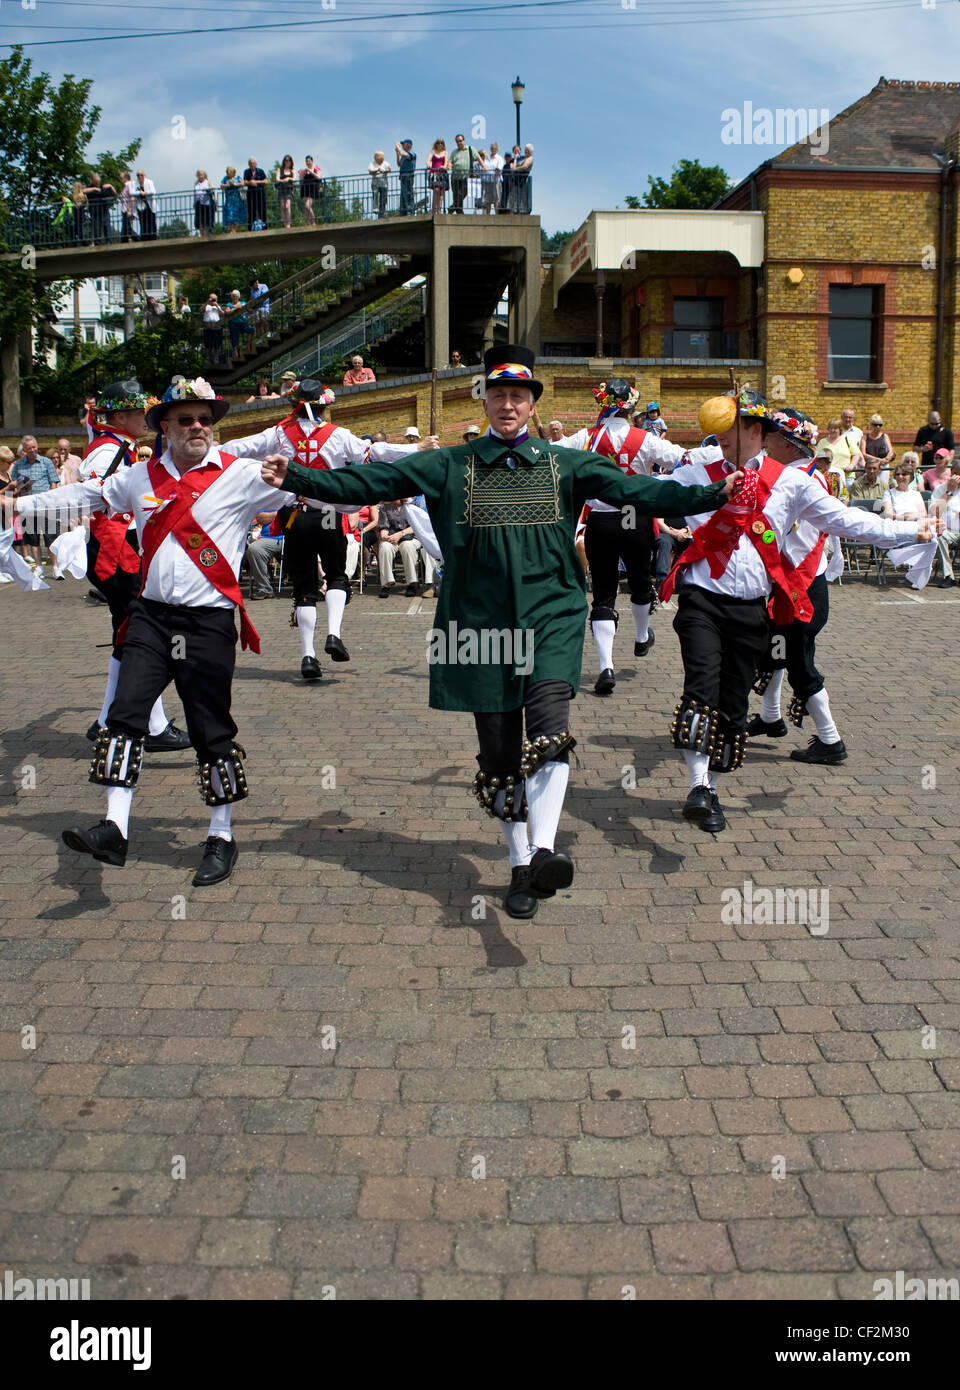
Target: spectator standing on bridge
column 379, row 172
column 309, row 189
column 255, row 181
column 202, row 205
column 126, row 207
column 522, row 165
column 407, row 166
column 439, row 173
column 357, row 373
column 506, row 184
column 78, row 201
column 234, row 214
column 285, row 178
column 99, row 197
column 461, row 163
column 144, row 192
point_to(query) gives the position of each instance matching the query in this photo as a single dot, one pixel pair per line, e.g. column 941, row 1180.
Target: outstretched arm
column 420, row 471
column 600, row 477
column 853, row 523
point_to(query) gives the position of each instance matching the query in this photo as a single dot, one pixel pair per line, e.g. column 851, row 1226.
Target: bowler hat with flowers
column 193, row 391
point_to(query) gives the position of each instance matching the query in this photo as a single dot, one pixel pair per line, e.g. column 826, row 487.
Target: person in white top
column 192, row 509
column 902, row 501
column 945, row 503
column 613, row 533
column 314, row 531
column 792, row 647
column 726, row 576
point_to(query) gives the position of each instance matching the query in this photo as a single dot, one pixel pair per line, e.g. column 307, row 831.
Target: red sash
column 110, row 532
column 717, row 539
column 307, row 446
column 601, row 443
column 177, row 519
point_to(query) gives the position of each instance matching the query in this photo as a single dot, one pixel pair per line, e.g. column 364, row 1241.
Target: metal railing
column 259, row 206
column 365, row 329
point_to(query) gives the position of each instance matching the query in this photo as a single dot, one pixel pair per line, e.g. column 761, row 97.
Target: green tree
column 692, row 185
column 555, row 242
column 110, row 166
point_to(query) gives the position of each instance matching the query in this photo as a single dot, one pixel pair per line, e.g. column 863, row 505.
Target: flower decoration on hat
column 615, row 395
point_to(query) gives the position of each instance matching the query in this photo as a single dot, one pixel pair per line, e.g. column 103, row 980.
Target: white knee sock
column 336, row 603
column 158, row 719
column 604, row 631
column 515, row 831
column 770, row 709
column 641, row 619
column 698, row 764
column 819, row 707
column 307, row 626
column 113, row 675
column 220, row 815
column 545, row 790
column 119, row 799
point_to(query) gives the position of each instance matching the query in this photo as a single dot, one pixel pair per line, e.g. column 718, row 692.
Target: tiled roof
column 897, row 125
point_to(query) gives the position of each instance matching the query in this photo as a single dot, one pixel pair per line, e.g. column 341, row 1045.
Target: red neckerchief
column 110, row 532
column 177, row 519
column 716, row 540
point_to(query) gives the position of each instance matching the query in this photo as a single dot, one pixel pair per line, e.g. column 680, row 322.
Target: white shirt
column 905, row 504
column 652, row 450
column 949, row 507
column 224, row 511
column 798, row 543
column 795, row 496
column 99, row 460
column 340, row 449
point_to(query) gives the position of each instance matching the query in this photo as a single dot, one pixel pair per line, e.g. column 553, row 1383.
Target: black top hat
column 312, row 392
column 798, row 428
column 511, row 364
column 197, row 392
column 121, row 395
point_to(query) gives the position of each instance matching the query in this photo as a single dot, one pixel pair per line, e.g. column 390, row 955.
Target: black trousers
column 722, row 640
column 606, row 539
column 500, row 734
column 800, row 641
column 196, row 649
column 314, row 535
column 120, row 589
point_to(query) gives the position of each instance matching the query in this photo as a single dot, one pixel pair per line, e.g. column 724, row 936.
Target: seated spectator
column 67, row 462
column 361, row 532
column 396, row 536
column 263, row 392
column 940, row 472
column 869, row 486
column 672, row 536
column 876, row 444
column 845, row 454
column 554, row 431
column 213, row 317
column 455, row 359
column 471, row 433
column 901, row 503
column 411, row 433
column 268, row 546
column 144, row 452
column 833, row 474
column 378, row 437
column 289, row 381
column 932, row 436
column 653, row 420
column 945, row 503
column 912, row 461
column 357, row 373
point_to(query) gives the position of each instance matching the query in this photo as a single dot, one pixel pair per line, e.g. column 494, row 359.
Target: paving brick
column 815, row 1116
column 748, row 1116
column 617, row 1158
column 593, row 1250
column 614, row 1119
column 888, row 1243
column 494, row 1250
column 396, row 1199
column 675, row 1117
column 653, row 1200
column 468, row 1199
column 423, row 1245
column 867, row 1153
column 133, row 1239
column 691, row 1247
column 880, row 1112
column 574, row 1199
column 731, row 1197
column 920, row 1194
column 774, row 1081
column 795, row 1246
column 233, row 1241
column 843, row 1194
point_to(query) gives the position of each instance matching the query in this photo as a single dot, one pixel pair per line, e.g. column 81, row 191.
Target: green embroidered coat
column 509, row 561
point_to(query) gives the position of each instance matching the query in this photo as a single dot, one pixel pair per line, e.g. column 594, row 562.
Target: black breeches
column 500, row 734
column 801, row 642
column 606, row 539
column 315, row 535
column 119, row 589
column 196, row 649
column 721, row 642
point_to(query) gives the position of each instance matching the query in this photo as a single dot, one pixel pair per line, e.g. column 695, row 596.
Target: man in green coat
column 509, row 628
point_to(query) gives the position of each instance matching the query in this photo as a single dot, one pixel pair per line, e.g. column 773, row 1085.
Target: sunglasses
column 185, row 421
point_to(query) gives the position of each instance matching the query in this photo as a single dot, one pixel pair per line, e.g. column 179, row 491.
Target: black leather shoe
column 411, row 591
column 518, row 901
column 697, row 805
column 605, row 682
column 549, row 871
column 310, row 669
column 217, row 863
column 386, row 590
column 103, row 841
column 817, row 752
column 776, row 729
column 335, row 649
column 945, row 583
column 93, row 733
column 641, row 648
column 170, row 740
column 715, row 819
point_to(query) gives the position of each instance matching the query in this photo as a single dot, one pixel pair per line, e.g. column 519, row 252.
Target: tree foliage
column 692, row 185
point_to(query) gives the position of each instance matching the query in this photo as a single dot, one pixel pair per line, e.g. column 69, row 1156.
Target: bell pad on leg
column 487, row 787
column 107, row 774
column 223, row 766
column 546, row 748
column 763, row 679
column 726, row 753
column 705, row 738
column 797, row 710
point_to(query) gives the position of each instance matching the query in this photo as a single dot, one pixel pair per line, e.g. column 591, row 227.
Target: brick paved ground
column 191, row 1028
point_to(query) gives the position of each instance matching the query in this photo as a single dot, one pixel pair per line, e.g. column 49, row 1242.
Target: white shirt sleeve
column 580, row 440
column 826, row 513
column 390, row 453
column 65, row 503
column 257, row 446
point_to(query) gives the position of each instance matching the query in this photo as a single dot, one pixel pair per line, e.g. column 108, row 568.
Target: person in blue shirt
column 406, row 164
column 41, row 475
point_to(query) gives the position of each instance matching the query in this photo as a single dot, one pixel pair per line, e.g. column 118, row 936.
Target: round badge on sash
column 757, row 527
column 208, row 557
column 769, row 537
column 194, row 541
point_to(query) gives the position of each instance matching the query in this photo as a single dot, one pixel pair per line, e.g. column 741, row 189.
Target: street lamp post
column 518, row 90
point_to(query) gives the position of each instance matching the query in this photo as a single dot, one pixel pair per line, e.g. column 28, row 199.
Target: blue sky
column 615, row 89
